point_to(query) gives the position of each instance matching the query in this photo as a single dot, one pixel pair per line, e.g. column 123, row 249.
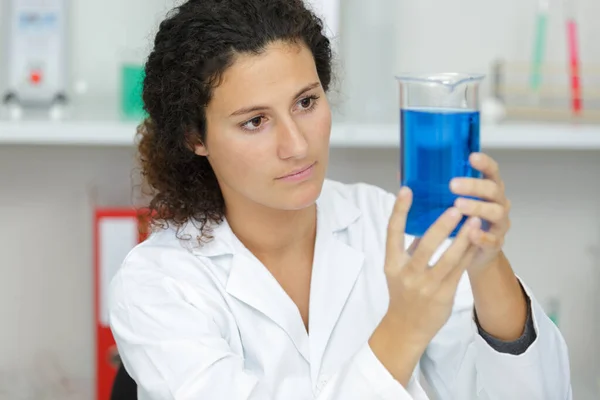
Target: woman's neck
column 273, row 234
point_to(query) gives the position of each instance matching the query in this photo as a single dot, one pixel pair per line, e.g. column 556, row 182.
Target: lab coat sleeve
column 460, row 364
column 177, row 351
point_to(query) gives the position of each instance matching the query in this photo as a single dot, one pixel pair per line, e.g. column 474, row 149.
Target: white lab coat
column 212, row 323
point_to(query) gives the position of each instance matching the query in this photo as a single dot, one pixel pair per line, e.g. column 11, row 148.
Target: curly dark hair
column 194, row 46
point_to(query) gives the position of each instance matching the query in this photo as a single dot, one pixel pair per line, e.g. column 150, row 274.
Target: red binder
column 116, row 232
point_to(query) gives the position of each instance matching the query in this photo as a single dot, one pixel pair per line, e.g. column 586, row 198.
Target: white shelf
column 548, row 137
column 498, row 136
column 111, row 132
column 77, row 133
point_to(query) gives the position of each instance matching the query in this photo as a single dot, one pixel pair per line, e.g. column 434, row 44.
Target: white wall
column 46, row 296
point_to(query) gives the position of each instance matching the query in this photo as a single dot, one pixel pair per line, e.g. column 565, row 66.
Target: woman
column 263, row 280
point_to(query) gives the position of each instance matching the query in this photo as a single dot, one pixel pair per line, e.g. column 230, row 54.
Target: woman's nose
column 291, row 141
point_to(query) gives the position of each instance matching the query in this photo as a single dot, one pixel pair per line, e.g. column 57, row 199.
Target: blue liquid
column 435, row 146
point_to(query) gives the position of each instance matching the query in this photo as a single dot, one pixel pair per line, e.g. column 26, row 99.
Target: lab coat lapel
column 336, row 267
column 250, row 282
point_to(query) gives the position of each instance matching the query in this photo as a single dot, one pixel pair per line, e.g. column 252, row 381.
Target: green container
column 132, row 77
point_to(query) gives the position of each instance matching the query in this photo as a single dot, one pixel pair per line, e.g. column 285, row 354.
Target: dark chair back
column 124, row 387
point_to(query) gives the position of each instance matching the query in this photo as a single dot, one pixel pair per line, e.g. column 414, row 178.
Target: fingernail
column 455, row 184
column 474, row 222
column 404, row 191
column 460, row 203
column 476, row 157
column 453, row 212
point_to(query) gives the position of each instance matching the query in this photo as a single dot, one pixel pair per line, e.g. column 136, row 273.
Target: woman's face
column 268, row 119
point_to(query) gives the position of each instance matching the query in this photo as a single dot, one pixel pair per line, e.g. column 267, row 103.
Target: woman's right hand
column 421, row 297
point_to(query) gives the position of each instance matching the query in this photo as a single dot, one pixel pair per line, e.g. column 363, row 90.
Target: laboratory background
column 69, row 84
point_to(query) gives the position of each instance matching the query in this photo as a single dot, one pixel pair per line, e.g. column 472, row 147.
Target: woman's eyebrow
column 251, row 109
column 307, row 88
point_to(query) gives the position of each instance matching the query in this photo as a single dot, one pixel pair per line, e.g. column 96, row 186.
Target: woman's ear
column 195, row 144
column 200, row 149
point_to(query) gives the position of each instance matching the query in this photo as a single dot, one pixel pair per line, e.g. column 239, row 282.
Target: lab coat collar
column 337, row 211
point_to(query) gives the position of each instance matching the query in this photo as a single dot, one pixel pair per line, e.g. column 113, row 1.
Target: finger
column 492, row 212
column 480, row 188
column 455, row 253
column 435, row 236
column 453, row 277
column 487, row 240
column 486, row 164
column 397, row 223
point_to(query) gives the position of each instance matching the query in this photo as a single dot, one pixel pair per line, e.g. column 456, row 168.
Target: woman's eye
column 253, row 124
column 306, row 103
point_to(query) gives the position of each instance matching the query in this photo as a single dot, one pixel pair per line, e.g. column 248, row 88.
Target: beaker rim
column 443, row 78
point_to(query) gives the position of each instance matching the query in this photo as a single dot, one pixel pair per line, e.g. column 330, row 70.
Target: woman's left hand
column 494, row 208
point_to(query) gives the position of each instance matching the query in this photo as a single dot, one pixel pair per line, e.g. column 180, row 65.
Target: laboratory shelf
column 515, row 136
column 113, row 132
column 78, row 133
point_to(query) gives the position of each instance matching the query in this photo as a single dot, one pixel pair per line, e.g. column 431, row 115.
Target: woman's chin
column 302, row 196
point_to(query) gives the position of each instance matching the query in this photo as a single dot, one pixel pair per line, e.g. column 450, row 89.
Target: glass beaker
column 439, row 129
